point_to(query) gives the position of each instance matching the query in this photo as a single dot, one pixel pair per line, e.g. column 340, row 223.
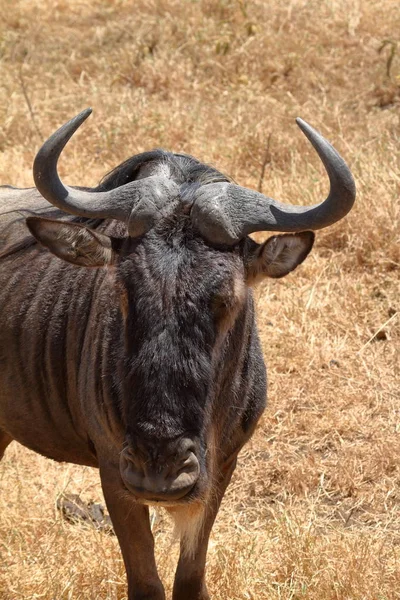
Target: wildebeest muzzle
column 156, row 475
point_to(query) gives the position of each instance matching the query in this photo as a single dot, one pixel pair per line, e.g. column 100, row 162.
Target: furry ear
column 72, row 242
column 279, row 255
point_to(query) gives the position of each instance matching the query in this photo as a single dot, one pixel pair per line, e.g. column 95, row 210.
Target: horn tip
column 304, row 126
column 312, row 134
column 84, row 114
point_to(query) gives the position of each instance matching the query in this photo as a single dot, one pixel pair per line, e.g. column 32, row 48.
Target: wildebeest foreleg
column 5, row 439
column 132, row 527
column 190, row 574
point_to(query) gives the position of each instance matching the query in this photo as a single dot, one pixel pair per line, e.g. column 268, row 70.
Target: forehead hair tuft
column 182, row 168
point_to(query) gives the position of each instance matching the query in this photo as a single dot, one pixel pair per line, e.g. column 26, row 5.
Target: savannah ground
column 313, row 511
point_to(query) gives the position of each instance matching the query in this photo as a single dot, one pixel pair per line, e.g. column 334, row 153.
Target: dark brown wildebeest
column 148, row 364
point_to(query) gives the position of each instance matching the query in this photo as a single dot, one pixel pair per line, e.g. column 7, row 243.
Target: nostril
column 187, row 446
column 131, row 468
column 189, row 464
column 129, row 458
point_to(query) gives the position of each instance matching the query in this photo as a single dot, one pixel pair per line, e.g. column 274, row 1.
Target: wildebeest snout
column 163, row 476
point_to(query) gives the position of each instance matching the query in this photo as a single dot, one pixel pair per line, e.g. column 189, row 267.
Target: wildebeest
column 147, row 364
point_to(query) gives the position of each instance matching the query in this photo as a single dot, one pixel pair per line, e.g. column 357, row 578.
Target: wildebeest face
column 181, row 300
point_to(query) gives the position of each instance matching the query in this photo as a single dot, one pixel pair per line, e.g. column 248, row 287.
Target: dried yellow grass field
column 313, row 511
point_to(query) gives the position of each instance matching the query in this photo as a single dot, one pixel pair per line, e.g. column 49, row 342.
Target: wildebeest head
column 183, row 264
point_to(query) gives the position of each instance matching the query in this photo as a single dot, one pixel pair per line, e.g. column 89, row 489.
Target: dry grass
column 313, row 510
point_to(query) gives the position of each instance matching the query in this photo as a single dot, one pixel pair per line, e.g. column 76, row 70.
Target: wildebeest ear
column 72, row 242
column 279, row 255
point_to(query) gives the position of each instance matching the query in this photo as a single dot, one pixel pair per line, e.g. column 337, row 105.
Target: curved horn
column 136, row 203
column 225, row 213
